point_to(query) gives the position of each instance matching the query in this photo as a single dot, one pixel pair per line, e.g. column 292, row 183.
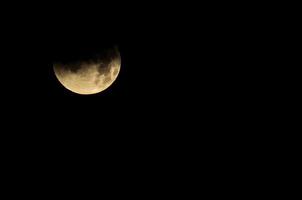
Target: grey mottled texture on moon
column 92, row 75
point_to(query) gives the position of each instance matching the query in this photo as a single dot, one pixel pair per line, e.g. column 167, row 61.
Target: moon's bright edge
column 89, row 78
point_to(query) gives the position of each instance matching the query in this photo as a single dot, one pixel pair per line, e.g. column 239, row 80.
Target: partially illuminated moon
column 92, row 75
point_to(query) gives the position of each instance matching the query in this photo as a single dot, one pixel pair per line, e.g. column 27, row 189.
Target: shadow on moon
column 89, row 72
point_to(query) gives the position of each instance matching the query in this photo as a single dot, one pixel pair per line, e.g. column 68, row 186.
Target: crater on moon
column 89, row 74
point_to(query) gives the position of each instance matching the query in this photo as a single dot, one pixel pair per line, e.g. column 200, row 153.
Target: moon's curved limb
column 89, row 77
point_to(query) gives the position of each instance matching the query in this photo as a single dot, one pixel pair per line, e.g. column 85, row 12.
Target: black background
column 184, row 75
column 188, row 106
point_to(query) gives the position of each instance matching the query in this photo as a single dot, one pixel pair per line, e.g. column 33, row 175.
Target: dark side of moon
column 89, row 73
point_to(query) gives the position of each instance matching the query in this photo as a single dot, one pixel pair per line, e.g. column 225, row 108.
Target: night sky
column 180, row 71
column 189, row 110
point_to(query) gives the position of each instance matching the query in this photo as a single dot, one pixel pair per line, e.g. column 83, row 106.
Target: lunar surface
column 90, row 75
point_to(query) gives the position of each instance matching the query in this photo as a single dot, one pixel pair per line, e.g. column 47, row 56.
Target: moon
column 90, row 75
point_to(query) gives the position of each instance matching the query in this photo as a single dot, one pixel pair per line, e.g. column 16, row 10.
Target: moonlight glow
column 89, row 77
